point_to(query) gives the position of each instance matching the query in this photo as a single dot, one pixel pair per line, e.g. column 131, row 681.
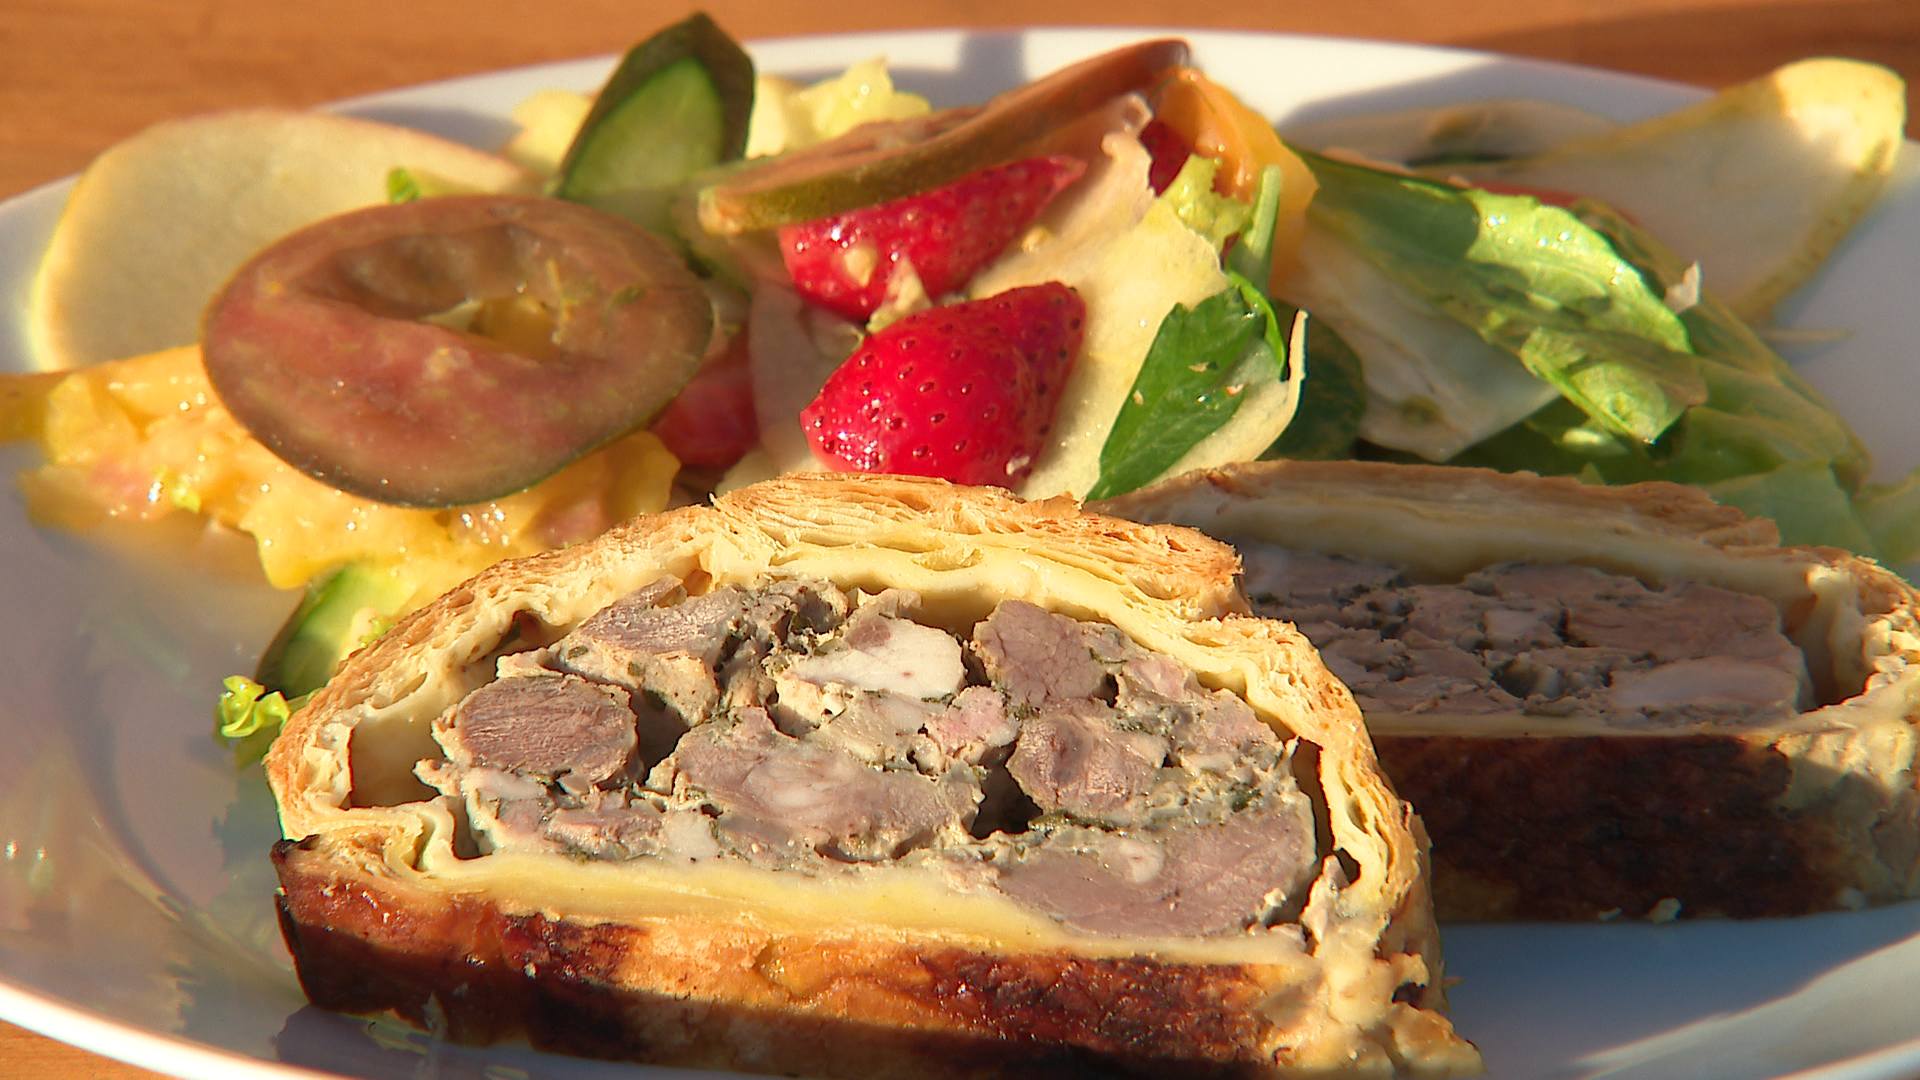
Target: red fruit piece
column 845, row 262
column 1169, row 150
column 965, row 392
column 711, row 423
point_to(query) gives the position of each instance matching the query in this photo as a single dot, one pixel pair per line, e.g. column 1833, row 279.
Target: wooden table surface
column 80, row 74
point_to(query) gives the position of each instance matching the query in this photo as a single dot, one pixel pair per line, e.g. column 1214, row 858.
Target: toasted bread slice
column 695, row 900
column 1691, row 720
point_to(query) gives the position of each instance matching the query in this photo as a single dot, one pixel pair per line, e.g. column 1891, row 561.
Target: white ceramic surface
column 136, row 913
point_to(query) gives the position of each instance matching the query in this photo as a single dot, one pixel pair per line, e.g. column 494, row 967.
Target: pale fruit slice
column 548, row 122
column 880, row 162
column 159, row 222
column 1756, row 184
column 1467, row 132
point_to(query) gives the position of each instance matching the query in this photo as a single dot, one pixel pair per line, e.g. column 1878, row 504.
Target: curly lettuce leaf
column 249, row 716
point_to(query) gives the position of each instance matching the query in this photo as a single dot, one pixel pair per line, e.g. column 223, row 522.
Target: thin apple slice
column 1756, row 184
column 158, row 222
column 331, row 346
column 880, row 162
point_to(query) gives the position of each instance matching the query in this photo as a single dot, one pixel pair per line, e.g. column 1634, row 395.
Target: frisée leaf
column 249, row 716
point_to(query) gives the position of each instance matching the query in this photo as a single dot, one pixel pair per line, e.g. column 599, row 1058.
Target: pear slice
column 160, row 221
column 1756, row 184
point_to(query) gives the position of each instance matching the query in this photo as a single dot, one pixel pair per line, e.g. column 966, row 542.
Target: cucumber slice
column 678, row 104
column 339, row 614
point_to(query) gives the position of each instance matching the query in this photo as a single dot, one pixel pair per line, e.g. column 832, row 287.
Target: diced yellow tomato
column 1220, row 126
column 141, row 438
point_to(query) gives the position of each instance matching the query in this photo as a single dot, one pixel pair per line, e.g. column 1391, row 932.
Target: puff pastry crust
column 849, row 976
column 1542, row 817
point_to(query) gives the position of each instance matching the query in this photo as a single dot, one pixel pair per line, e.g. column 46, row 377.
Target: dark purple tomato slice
column 342, row 348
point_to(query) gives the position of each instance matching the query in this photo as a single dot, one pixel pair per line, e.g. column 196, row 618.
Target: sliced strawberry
column 845, row 262
column 966, row 392
column 711, row 422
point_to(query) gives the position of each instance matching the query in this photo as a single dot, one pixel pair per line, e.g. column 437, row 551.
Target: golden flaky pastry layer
column 887, row 973
column 1555, row 817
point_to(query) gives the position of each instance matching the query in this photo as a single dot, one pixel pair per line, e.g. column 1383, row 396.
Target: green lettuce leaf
column 1252, row 257
column 1891, row 513
column 1759, row 413
column 1333, row 396
column 1653, row 379
column 1806, row 501
column 1560, row 440
column 1433, row 387
column 1532, row 280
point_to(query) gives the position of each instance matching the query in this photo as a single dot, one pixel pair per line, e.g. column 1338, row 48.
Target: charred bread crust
column 383, row 915
column 707, row 993
column 1531, row 820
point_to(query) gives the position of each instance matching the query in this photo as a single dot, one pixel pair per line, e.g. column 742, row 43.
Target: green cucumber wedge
column 339, row 614
column 677, row 105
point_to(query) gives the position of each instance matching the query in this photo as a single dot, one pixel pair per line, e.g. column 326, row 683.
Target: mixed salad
column 703, row 276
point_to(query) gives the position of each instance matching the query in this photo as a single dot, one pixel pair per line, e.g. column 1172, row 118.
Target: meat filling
column 1548, row 640
column 1049, row 760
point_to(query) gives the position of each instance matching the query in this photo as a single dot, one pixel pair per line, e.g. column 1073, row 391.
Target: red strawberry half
column 966, row 392
column 845, row 262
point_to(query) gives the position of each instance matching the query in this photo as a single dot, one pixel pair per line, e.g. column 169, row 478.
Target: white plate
column 136, row 913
